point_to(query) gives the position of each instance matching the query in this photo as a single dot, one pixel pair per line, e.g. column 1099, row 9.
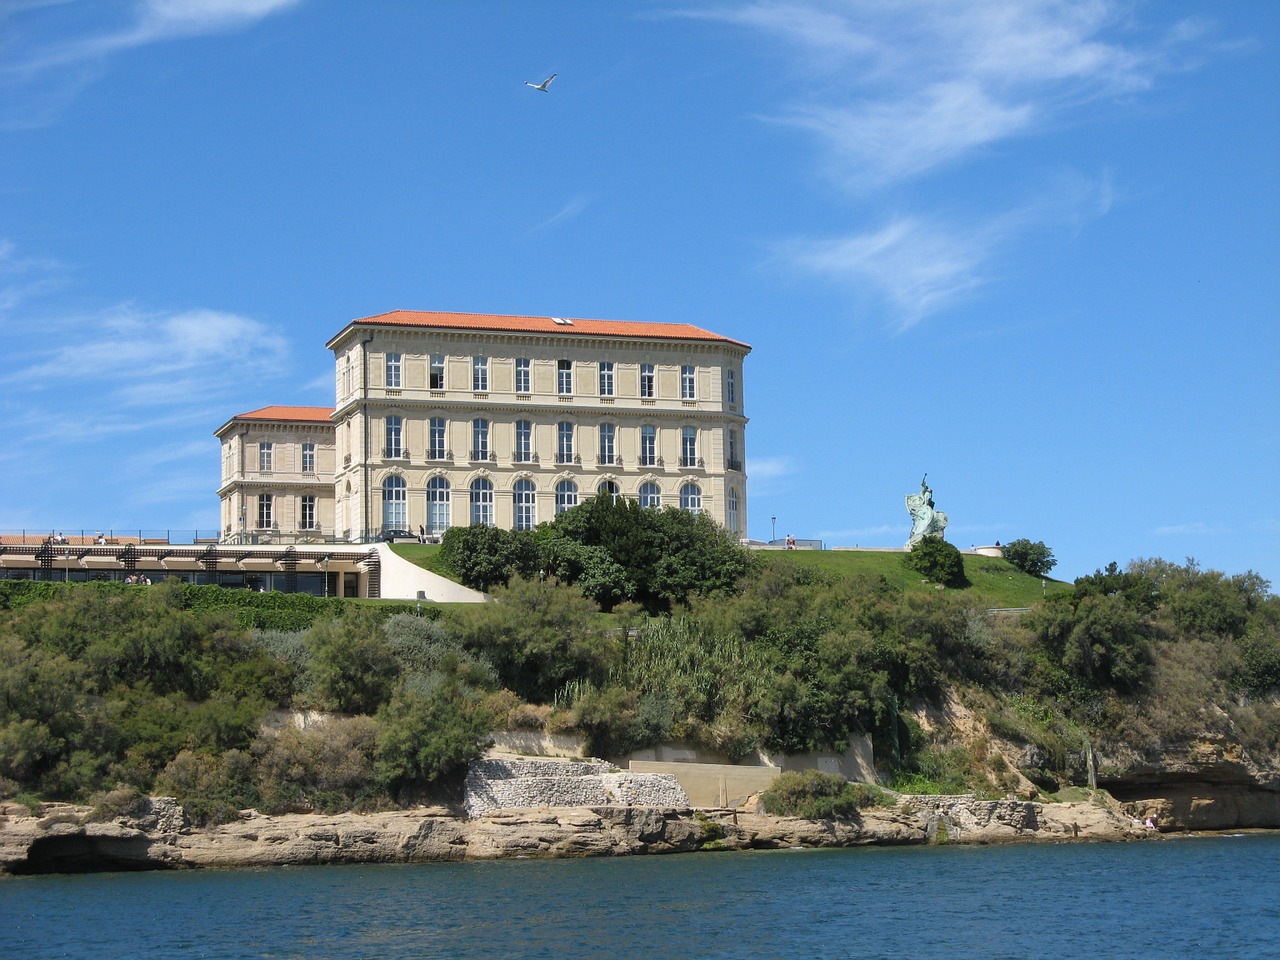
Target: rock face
column 1208, row 784
column 156, row 836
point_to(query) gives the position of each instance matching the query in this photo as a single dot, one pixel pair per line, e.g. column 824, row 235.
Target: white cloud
column 1195, row 528
column 43, row 77
column 918, row 266
column 570, row 210
column 916, row 84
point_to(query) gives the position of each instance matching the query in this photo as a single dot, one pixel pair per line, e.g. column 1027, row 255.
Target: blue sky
column 1030, row 247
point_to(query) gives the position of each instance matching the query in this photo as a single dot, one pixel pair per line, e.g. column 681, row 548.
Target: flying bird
column 543, row 85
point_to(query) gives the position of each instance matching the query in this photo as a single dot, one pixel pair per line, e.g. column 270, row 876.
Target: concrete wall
column 713, row 784
column 402, row 580
column 537, row 743
column 856, row 763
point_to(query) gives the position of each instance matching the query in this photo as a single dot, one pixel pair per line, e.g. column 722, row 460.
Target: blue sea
column 1169, row 898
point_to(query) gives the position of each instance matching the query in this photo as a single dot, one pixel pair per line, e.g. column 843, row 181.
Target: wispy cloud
column 1195, row 528
column 894, row 93
column 921, row 265
column 102, row 372
column 48, row 74
column 570, row 210
column 916, row 84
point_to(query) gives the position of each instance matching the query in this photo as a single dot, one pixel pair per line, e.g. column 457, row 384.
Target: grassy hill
column 993, row 582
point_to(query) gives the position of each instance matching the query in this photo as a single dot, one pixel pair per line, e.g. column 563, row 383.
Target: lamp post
column 774, row 521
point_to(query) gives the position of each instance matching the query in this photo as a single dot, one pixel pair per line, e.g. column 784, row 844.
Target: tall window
column 525, row 505
column 606, row 378
column 524, row 382
column 650, row 495
column 691, row 498
column 564, row 377
column 733, row 463
column 480, row 374
column 437, row 505
column 731, row 387
column 566, row 496
column 264, row 511
column 394, row 428
column 308, row 458
column 687, row 383
column 689, row 446
column 264, row 457
column 647, row 381
column 607, row 431
column 308, row 518
column 648, row 445
column 435, row 439
column 608, row 488
column 437, row 371
column 732, row 504
column 346, row 375
column 393, row 370
column 479, row 439
column 481, row 502
column 395, row 502
column 564, row 442
column 524, row 441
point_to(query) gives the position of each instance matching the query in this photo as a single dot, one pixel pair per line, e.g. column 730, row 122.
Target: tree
column 483, row 557
column 938, row 560
column 1033, row 558
column 354, row 666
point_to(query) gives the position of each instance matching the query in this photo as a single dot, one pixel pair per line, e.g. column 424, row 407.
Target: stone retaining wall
column 517, row 784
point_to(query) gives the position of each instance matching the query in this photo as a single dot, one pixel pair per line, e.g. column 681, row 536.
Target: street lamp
column 774, row 521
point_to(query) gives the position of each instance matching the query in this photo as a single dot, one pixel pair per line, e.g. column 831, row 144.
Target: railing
column 649, row 460
column 439, row 453
column 563, row 457
column 105, row 537
column 609, row 460
column 395, row 453
column 734, row 465
column 483, row 455
column 524, row 456
column 692, row 461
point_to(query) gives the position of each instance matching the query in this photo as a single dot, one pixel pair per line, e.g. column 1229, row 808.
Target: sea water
column 1167, row 898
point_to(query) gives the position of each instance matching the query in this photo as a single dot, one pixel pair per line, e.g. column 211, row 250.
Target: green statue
column 925, row 521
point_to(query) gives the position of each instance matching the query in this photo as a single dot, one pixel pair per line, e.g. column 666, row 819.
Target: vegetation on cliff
column 108, row 689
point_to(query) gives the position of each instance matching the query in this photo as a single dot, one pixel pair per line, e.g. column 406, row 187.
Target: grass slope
column 993, row 582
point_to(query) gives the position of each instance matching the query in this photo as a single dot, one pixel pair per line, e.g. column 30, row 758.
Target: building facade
column 277, row 475
column 449, row 419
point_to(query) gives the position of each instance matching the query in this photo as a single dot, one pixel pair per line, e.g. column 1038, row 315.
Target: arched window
column 650, row 495
column 395, row 502
column 691, row 498
column 525, row 505
column 732, row 506
column 437, row 505
column 481, row 502
column 608, row 488
column 566, row 496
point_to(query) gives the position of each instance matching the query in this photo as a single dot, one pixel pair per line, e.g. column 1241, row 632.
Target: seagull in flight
column 543, row 85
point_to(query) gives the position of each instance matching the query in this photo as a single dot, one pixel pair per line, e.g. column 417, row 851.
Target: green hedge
column 262, row 611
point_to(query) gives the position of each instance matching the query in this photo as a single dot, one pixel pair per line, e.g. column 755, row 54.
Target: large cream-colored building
column 449, row 419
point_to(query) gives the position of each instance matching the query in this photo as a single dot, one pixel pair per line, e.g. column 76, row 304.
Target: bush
column 820, row 796
column 1033, row 558
column 938, row 560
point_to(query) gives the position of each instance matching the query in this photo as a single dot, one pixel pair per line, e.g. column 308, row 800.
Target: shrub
column 820, row 796
column 1033, row 558
column 938, row 560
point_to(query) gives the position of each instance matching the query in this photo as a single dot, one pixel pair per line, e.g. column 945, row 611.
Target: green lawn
column 993, row 582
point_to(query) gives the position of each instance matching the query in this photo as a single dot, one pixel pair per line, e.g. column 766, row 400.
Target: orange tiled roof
column 312, row 414
column 575, row 325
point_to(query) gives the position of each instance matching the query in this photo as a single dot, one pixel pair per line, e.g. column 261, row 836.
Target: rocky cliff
column 156, row 835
